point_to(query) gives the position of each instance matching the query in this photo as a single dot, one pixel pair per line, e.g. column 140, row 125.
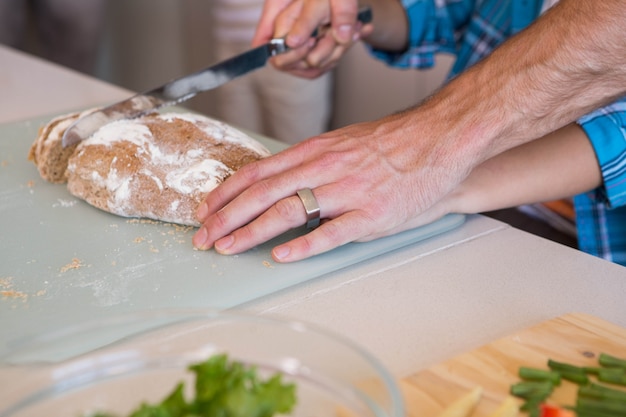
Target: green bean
column 575, row 377
column 609, row 407
column 564, row 367
column 534, row 374
column 532, row 390
column 598, row 391
column 613, row 376
column 531, row 407
column 592, row 370
column 572, row 373
column 611, row 361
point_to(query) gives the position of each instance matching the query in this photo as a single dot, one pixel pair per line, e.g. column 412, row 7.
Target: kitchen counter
column 412, row 307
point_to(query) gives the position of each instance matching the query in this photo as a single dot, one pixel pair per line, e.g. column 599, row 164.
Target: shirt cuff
column 607, row 133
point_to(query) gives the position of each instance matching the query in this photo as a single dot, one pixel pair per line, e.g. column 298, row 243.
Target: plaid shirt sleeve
column 601, row 213
column 468, row 29
column 433, row 25
column 606, row 129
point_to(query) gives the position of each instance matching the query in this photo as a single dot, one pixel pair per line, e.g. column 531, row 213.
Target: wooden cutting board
column 573, row 338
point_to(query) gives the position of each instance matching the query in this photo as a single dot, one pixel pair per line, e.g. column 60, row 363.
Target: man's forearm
column 569, row 62
column 575, row 64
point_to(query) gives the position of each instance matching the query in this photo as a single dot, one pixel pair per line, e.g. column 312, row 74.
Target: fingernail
column 293, row 41
column 200, row 238
column 281, row 252
column 202, row 212
column 224, row 243
column 343, row 34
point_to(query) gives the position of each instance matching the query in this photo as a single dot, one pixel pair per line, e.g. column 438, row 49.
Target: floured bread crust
column 159, row 166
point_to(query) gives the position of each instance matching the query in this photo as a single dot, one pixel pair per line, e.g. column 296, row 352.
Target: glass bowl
column 116, row 364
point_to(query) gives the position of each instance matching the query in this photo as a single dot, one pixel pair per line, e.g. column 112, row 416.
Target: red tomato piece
column 549, row 410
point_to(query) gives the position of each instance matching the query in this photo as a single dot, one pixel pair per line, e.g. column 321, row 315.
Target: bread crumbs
column 75, row 264
column 13, row 294
column 8, row 293
column 6, row 283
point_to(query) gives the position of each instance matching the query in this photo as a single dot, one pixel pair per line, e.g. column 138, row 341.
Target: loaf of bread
column 159, row 166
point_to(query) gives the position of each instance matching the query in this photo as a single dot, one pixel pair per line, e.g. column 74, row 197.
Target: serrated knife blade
column 184, row 88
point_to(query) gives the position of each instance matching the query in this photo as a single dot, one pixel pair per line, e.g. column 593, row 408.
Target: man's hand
column 365, row 177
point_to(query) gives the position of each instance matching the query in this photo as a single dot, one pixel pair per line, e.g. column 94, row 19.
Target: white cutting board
column 63, row 261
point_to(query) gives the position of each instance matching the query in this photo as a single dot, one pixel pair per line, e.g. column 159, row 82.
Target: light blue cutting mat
column 63, row 261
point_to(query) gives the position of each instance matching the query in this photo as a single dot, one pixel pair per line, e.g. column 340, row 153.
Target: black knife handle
column 364, row 16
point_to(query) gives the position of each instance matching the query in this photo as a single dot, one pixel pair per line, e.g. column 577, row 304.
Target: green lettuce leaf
column 224, row 388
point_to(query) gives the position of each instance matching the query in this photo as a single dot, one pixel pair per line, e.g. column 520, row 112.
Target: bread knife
column 184, row 88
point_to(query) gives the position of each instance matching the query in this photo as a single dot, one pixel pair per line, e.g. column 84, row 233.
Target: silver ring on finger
column 311, row 206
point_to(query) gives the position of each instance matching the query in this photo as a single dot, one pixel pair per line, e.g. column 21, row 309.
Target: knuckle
column 250, row 172
column 306, row 245
column 288, row 209
column 245, row 233
column 220, row 220
column 331, row 159
column 216, row 196
column 333, row 233
column 262, row 191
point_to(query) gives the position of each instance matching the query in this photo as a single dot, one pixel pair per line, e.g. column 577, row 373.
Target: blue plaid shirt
column 470, row 30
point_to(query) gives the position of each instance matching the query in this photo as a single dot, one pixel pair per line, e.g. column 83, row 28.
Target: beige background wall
column 148, row 42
